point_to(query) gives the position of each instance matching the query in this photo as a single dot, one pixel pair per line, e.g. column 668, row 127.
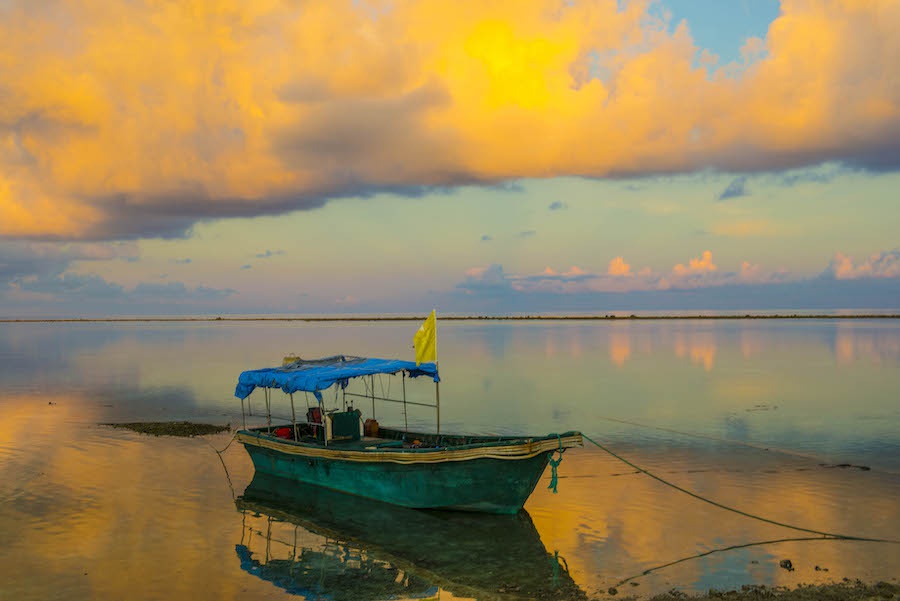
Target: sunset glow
column 166, row 122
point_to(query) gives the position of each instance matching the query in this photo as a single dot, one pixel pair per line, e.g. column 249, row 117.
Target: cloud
column 247, row 266
column 701, row 265
column 736, row 189
column 143, row 118
column 64, row 289
column 747, row 228
column 817, row 175
column 509, row 186
column 23, row 259
column 618, row 267
column 182, row 261
column 527, row 234
column 486, row 238
column 699, row 285
column 558, row 205
column 70, row 285
column 879, row 265
column 36, row 274
column 269, row 253
column 489, row 278
column 749, row 272
column 177, row 292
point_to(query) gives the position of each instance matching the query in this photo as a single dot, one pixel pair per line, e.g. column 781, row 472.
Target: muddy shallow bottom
column 844, row 591
column 170, row 428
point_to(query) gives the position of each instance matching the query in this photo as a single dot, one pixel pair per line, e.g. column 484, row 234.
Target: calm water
column 758, row 415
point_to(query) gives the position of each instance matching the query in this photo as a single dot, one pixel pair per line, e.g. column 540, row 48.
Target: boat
column 321, row 544
column 336, row 448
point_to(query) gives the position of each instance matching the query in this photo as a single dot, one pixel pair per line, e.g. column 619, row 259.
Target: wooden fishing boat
column 336, row 449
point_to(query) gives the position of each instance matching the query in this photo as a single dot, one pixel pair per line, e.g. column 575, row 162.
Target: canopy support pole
column 324, row 419
column 294, row 417
column 437, row 405
column 268, row 412
column 243, row 415
column 405, row 420
column 372, row 382
column 437, row 385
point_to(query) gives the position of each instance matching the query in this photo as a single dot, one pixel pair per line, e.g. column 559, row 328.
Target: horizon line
column 358, row 318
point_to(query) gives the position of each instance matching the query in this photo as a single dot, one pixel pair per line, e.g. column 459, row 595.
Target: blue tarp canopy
column 318, row 374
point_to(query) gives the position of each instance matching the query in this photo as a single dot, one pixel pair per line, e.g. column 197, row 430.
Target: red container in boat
column 370, row 428
column 283, row 433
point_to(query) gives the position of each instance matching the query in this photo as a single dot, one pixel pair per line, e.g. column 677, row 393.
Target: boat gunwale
column 508, row 448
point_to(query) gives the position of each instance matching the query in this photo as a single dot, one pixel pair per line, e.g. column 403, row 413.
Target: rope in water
column 828, row 535
column 224, row 467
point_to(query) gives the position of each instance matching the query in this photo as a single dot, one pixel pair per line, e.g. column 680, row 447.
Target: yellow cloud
column 139, row 118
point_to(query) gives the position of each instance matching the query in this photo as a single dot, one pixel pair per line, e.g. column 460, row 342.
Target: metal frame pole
column 294, row 417
column 405, row 419
column 268, row 412
column 437, row 405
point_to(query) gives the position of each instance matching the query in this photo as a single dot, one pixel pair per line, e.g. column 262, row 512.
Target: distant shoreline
column 351, row 318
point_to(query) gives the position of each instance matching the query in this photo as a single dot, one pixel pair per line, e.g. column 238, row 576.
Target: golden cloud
column 701, row 265
column 131, row 119
column 618, row 266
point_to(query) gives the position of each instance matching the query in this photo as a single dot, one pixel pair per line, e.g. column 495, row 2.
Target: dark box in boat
column 345, row 425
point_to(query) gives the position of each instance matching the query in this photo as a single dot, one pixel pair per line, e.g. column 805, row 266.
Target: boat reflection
column 323, row 544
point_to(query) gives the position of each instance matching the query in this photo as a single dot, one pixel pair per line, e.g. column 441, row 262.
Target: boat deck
column 391, row 439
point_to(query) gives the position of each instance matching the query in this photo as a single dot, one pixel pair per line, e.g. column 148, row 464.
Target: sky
column 285, row 156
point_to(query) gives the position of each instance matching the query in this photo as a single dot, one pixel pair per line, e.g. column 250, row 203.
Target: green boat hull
column 483, row 484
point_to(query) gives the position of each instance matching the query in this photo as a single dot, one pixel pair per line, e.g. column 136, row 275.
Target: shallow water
column 757, row 415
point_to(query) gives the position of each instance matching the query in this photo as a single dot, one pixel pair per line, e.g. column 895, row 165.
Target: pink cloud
column 879, row 265
column 749, row 272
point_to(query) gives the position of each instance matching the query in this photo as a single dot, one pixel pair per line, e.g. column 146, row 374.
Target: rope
column 649, row 571
column 823, row 534
column 751, row 445
column 222, row 461
column 554, row 479
column 554, row 463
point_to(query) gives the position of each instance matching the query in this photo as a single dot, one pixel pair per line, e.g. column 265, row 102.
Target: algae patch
column 171, row 428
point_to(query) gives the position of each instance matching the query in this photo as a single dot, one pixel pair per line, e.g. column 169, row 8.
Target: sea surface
column 796, row 422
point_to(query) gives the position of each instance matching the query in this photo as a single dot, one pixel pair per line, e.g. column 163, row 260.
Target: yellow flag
column 425, row 340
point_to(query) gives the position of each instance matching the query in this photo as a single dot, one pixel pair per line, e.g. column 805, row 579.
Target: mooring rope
column 663, row 566
column 554, row 463
column 222, row 461
column 823, row 534
column 743, row 443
